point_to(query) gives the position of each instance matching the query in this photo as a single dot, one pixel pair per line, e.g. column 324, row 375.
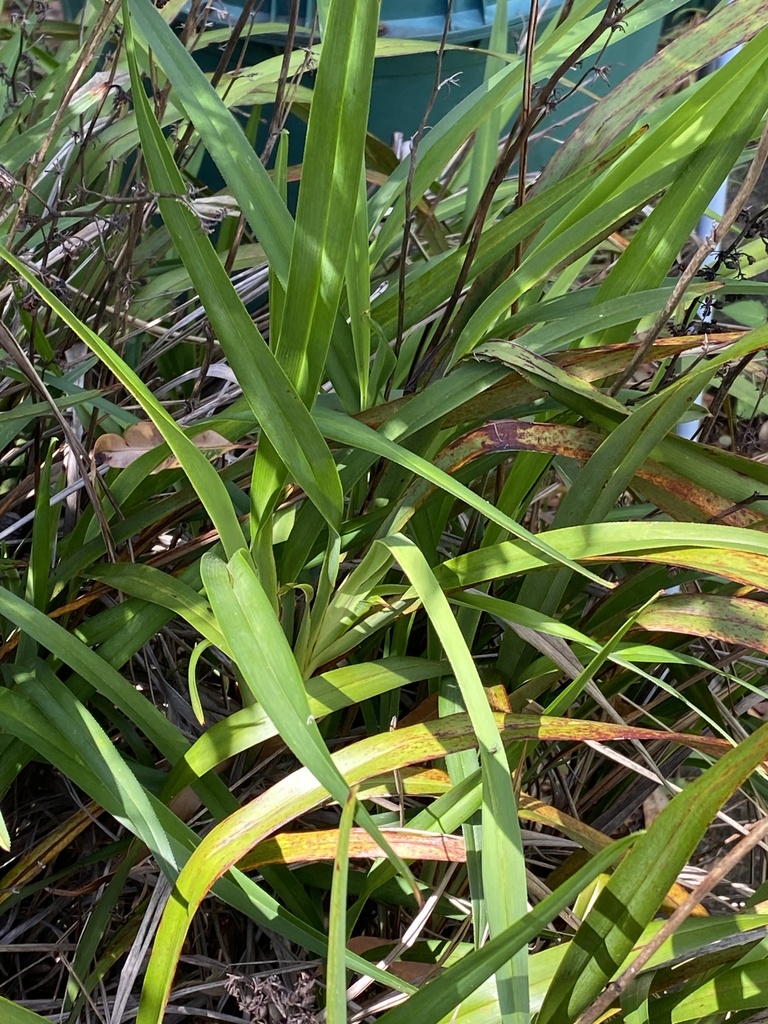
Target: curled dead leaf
column 119, row 452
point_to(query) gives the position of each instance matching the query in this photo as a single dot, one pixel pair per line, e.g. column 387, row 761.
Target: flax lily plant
column 356, row 589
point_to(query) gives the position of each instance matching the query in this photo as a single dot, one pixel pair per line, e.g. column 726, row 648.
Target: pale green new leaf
column 503, row 861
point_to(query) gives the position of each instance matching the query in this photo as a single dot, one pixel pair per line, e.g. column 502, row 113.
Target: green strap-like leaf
column 639, row 884
column 278, row 408
column 348, row 431
column 12, row 1013
column 223, row 137
column 503, row 862
column 439, row 998
column 199, row 470
column 336, row 1000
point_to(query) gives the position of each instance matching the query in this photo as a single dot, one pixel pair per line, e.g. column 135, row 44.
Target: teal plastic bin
column 402, row 86
column 471, row 20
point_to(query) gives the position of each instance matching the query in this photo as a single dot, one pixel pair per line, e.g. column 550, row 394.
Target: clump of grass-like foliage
column 372, row 647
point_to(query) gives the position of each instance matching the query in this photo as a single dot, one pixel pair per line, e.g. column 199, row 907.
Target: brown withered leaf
column 119, row 452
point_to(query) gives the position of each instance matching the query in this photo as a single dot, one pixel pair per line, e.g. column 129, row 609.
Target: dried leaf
column 271, row 997
column 120, row 452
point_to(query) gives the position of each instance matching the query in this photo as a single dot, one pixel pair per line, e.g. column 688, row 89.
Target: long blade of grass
column 199, row 470
column 634, row 893
column 87, row 742
column 259, row 647
column 332, row 172
column 336, row 998
column 332, row 691
column 728, row 551
column 358, row 290
column 676, row 493
column 278, row 408
column 729, row 26
column 355, row 434
column 735, row 620
column 44, row 528
column 503, row 861
column 485, row 150
column 13, row 1013
column 269, row 670
column 93, row 668
column 646, row 261
column 224, row 139
column 332, row 169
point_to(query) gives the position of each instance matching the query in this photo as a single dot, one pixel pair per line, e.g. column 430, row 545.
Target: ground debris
column 269, row 1000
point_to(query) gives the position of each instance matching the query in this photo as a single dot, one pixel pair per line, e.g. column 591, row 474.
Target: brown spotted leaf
column 735, row 620
column 308, row 847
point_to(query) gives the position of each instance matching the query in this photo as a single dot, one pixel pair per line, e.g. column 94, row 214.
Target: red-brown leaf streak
column 735, row 620
column 577, row 443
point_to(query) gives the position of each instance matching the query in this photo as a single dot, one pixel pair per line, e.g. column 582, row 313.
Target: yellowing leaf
column 308, row 847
